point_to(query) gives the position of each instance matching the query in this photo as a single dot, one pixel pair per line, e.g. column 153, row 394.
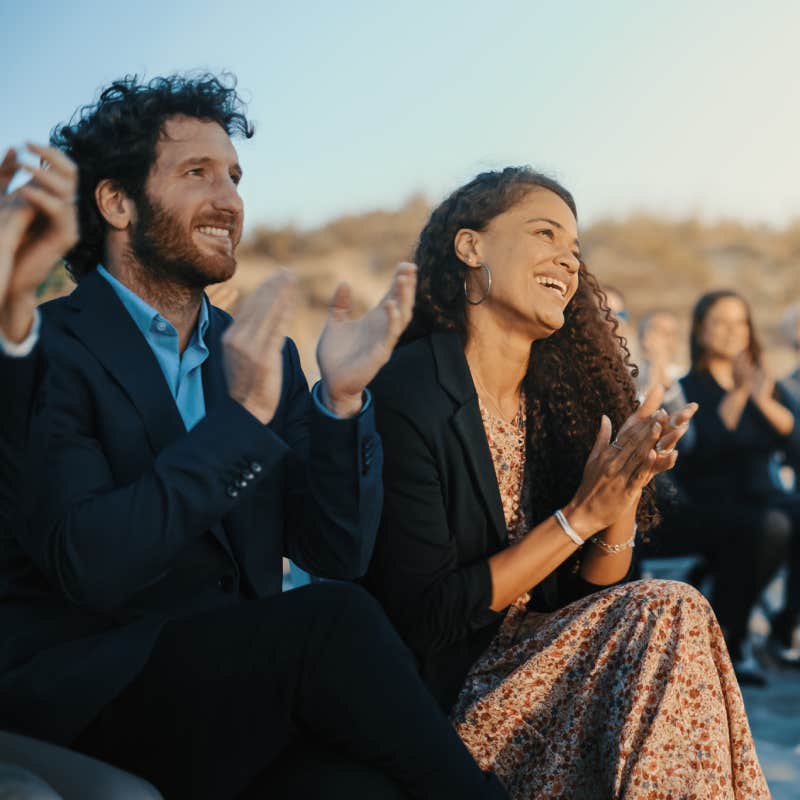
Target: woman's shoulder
column 409, row 375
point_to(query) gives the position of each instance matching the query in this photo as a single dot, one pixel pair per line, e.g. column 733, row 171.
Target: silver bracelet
column 567, row 528
column 616, row 548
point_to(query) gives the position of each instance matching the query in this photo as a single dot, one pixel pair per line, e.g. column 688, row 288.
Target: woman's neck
column 721, row 370
column 498, row 366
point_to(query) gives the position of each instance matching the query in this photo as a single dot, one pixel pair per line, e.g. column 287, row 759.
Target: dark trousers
column 225, row 694
column 742, row 549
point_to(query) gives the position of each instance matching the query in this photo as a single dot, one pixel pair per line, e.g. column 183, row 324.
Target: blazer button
column 247, row 475
column 256, row 467
column 232, row 491
column 241, row 483
column 227, row 583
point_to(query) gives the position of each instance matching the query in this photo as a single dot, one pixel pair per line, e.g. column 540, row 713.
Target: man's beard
column 164, row 248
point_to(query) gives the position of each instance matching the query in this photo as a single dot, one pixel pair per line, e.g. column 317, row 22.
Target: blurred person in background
column 658, row 345
column 790, row 329
column 615, row 300
column 729, row 506
column 511, row 515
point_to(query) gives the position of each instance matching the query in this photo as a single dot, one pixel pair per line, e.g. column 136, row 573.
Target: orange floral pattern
column 628, row 693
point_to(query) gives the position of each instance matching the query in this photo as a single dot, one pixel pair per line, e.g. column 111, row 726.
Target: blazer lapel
column 215, row 386
column 215, row 392
column 103, row 324
column 455, row 378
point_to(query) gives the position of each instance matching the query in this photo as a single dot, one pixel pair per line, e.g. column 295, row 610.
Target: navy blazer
column 443, row 516
column 138, row 521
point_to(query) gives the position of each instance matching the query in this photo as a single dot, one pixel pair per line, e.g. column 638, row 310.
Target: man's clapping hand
column 38, row 225
column 350, row 352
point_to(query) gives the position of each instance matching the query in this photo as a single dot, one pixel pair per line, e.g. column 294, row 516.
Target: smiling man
column 143, row 614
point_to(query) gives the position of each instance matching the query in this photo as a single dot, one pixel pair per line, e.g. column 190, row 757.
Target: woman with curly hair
column 510, row 518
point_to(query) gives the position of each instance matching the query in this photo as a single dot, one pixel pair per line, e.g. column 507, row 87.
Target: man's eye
column 236, row 178
column 195, row 171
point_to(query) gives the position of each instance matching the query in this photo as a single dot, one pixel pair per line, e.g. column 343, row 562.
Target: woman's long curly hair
column 574, row 376
column 697, row 350
column 116, row 138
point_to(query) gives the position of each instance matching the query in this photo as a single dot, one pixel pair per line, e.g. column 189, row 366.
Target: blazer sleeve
column 431, row 596
column 100, row 541
column 334, row 488
column 20, row 379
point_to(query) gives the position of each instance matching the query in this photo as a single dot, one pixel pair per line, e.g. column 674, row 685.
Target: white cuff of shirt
column 25, row 347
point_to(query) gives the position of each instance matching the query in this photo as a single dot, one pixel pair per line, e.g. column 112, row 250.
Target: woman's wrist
column 581, row 521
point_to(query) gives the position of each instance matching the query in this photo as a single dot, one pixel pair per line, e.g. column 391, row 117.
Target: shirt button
column 227, row 583
column 161, row 326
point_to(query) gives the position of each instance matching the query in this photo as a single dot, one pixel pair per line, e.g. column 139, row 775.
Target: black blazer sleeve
column 101, row 536
column 20, row 379
column 334, row 487
column 434, row 591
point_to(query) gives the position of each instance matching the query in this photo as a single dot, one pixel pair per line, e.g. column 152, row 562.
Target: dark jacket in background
column 137, row 521
column 731, row 466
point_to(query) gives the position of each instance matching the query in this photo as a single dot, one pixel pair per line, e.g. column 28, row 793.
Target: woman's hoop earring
column 485, row 267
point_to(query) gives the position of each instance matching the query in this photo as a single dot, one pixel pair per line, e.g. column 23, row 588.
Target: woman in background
column 731, row 506
column 496, row 413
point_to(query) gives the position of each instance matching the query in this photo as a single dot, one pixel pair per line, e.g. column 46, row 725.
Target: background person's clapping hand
column 38, row 225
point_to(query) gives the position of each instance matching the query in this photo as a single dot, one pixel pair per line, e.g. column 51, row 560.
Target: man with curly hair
column 143, row 616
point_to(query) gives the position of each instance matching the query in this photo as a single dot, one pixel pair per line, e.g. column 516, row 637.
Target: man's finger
column 49, row 179
column 8, row 168
column 59, row 162
column 45, row 202
column 342, row 302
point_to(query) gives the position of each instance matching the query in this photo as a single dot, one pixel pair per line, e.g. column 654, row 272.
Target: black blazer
column 138, row 521
column 442, row 517
column 20, row 380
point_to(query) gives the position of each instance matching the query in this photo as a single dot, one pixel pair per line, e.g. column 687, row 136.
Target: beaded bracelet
column 615, row 548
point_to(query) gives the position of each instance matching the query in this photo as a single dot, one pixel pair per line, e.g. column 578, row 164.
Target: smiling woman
column 510, row 516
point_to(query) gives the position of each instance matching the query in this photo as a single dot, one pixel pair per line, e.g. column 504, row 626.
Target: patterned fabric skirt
column 628, row 693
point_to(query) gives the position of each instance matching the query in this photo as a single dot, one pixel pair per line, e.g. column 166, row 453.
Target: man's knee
column 17, row 783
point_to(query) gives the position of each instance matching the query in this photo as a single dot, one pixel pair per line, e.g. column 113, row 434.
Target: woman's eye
column 547, row 232
column 236, row 178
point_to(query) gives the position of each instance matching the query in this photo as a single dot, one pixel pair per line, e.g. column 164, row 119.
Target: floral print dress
column 628, row 693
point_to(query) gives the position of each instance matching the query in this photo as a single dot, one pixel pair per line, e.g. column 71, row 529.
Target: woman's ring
column 616, row 445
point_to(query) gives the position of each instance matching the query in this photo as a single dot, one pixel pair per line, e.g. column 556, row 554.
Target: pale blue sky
column 677, row 108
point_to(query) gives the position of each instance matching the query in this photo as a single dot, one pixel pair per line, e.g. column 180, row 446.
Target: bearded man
column 142, row 610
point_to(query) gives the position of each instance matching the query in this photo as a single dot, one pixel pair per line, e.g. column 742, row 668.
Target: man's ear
column 117, row 209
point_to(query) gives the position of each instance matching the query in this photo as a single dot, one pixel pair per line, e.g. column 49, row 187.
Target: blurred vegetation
column 655, row 262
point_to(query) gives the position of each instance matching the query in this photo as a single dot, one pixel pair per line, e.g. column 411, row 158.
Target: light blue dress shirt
column 182, row 373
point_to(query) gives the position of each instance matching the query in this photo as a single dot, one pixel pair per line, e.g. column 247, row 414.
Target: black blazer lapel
column 215, row 392
column 103, row 324
column 456, row 380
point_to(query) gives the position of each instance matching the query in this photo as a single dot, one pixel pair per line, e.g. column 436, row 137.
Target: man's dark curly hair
column 116, row 139
column 574, row 377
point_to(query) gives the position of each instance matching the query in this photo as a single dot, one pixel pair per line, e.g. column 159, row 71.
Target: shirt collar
column 146, row 318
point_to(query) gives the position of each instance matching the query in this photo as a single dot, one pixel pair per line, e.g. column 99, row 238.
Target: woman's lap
column 607, row 693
